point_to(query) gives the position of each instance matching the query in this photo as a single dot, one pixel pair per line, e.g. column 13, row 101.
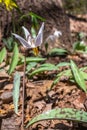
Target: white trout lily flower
column 57, row 33
column 29, row 41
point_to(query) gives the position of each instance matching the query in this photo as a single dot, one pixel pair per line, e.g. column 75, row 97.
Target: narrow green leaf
column 30, row 66
column 33, row 32
column 61, row 114
column 16, row 87
column 32, row 14
column 79, row 47
column 63, row 64
column 37, row 16
column 8, row 42
column 42, row 68
column 57, row 51
column 58, row 76
column 83, row 68
column 78, row 76
column 68, row 74
column 14, row 60
column 48, row 65
column 31, row 59
column 34, row 59
column 2, row 54
column 84, row 75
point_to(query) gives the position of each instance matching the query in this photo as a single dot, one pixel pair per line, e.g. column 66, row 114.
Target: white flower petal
column 33, row 45
column 26, row 32
column 29, row 40
column 22, row 41
column 57, row 33
column 39, row 38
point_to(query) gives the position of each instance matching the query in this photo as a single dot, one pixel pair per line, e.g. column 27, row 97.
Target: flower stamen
column 36, row 51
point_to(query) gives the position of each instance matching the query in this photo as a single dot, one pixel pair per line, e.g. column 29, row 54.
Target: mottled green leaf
column 78, row 76
column 31, row 59
column 79, row 46
column 57, row 51
column 63, row 64
column 9, row 42
column 14, row 60
column 84, row 75
column 83, row 68
column 42, row 68
column 2, row 54
column 30, row 66
column 58, row 77
column 16, row 88
column 61, row 114
column 48, row 65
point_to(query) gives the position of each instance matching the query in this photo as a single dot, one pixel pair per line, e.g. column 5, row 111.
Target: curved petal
column 26, row 32
column 39, row 38
column 22, row 41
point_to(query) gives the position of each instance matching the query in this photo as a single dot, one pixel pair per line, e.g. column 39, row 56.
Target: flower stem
column 23, row 93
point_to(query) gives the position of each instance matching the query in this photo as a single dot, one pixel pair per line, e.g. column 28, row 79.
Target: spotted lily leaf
column 58, row 77
column 58, row 51
column 61, row 114
column 31, row 59
column 30, row 66
column 63, row 64
column 42, row 68
column 14, row 60
column 2, row 54
column 16, row 87
column 78, row 76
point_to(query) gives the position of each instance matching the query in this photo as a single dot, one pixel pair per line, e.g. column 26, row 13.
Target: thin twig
column 0, row 123
column 23, row 93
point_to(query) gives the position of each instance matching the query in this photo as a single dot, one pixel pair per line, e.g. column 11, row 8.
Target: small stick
column 23, row 93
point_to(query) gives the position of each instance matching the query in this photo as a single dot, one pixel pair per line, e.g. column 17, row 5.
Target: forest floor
column 37, row 100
